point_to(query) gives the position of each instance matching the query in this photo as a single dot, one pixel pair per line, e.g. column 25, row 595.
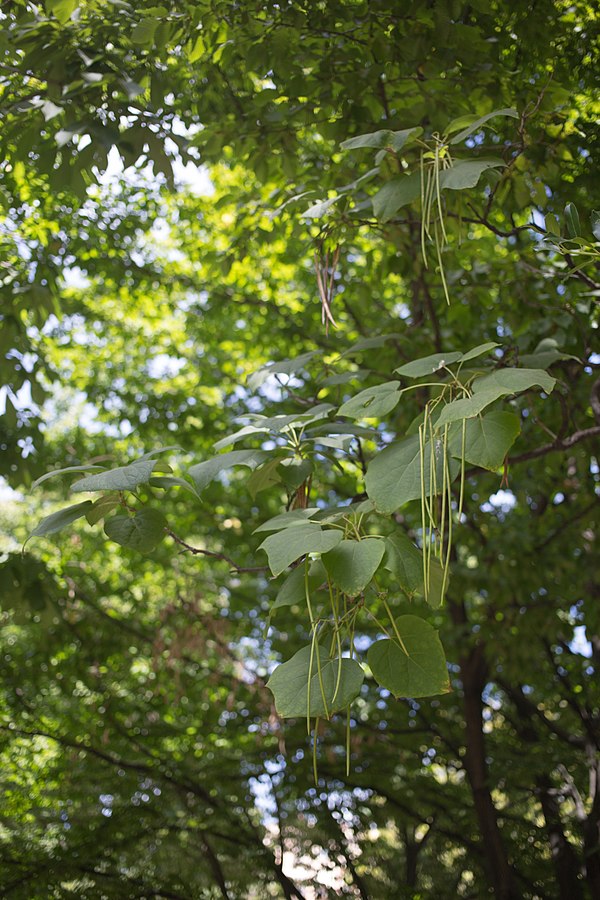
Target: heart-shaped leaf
column 287, row 546
column 352, row 564
column 141, row 532
column 299, row 691
column 414, row 665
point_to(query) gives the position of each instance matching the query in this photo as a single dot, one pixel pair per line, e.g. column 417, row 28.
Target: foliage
column 389, row 287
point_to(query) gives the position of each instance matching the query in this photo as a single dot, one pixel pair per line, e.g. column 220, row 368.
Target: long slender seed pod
column 441, row 266
column 462, row 468
column 423, row 512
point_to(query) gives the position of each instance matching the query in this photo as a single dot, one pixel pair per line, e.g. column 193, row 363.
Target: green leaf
column 352, row 564
column 487, row 439
column 465, row 173
column 294, row 472
column 514, row 381
column 572, row 220
column 428, row 365
column 141, row 532
column 294, row 681
column 415, row 666
column 545, row 354
column 265, row 477
column 342, row 428
column 143, row 33
column 205, row 472
column 378, row 140
column 436, row 588
column 293, row 589
column 489, row 388
column 284, row 367
column 62, row 9
column 373, row 402
column 239, row 435
column 58, row 520
column 552, row 225
column 474, row 124
column 318, row 209
column 479, row 351
column 395, row 194
column 101, row 508
column 285, row 547
column 123, row 478
column 394, row 476
column 168, row 481
column 405, row 562
column 287, row 520
column 66, row 471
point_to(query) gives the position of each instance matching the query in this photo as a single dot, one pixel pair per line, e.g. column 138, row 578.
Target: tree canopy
column 298, row 566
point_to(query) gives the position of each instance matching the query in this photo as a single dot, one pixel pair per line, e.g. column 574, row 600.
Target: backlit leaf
column 415, row 666
column 296, row 685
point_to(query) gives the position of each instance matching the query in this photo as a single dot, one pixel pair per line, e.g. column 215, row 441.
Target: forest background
column 191, row 192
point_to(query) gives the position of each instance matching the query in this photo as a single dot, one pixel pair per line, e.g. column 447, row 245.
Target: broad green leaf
column 514, row 381
column 378, row 140
column 239, row 435
column 123, row 478
column 285, row 547
column 394, row 476
column 342, row 428
column 62, row 9
column 470, row 124
column 487, row 439
column 287, row 520
column 489, row 388
column 395, row 194
column 264, row 477
column 205, row 472
column 413, row 667
column 545, row 354
column 479, row 351
column 293, row 589
column 169, row 481
column 58, row 520
column 405, row 562
column 294, row 472
column 284, row 367
column 318, row 209
column 373, row 402
column 141, row 532
column 195, row 49
column 465, row 173
column 352, row 564
column 295, row 681
column 572, row 220
column 281, row 424
column 101, row 508
column 66, row 471
column 143, row 33
column 428, row 365
column 435, row 597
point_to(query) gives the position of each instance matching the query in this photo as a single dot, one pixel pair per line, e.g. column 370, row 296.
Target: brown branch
column 213, row 554
column 558, row 444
